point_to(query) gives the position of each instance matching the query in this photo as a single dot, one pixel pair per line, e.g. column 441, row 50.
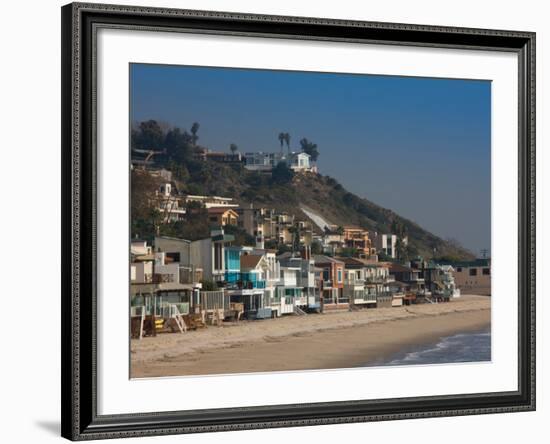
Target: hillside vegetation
column 283, row 191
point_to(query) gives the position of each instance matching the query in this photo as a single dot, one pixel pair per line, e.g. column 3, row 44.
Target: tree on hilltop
column 148, row 136
column 287, row 141
column 194, row 130
column 282, row 174
column 281, row 140
column 309, row 148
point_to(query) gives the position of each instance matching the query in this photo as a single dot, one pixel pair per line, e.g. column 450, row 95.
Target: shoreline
column 331, row 341
column 422, row 347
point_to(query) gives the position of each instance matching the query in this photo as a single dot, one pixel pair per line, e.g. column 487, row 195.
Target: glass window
column 473, row 271
column 486, row 271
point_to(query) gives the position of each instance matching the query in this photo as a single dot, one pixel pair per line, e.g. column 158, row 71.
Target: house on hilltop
column 296, row 161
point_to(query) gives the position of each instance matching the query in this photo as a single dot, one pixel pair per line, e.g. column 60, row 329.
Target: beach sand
column 317, row 341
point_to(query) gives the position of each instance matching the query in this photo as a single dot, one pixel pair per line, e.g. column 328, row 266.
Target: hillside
column 320, row 194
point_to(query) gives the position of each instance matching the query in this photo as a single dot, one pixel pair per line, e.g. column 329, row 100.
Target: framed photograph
column 281, row 221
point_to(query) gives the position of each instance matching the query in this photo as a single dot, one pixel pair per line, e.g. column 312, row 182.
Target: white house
column 385, row 243
column 139, row 248
column 260, row 161
column 210, row 201
column 169, row 204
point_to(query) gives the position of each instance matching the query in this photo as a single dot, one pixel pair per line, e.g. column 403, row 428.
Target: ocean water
column 463, row 347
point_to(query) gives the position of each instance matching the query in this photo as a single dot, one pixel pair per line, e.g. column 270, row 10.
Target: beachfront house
column 272, row 278
column 377, row 279
column 473, row 277
column 309, row 297
column 413, row 284
column 288, row 295
column 209, row 254
column 141, row 262
column 165, row 296
column 249, row 289
column 331, row 283
column 206, row 254
column 440, row 281
column 355, row 282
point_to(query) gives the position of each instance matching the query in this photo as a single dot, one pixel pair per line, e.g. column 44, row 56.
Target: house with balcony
column 413, row 284
column 440, row 281
column 288, row 294
column 249, row 289
column 257, row 222
column 209, row 201
column 310, row 296
column 171, row 292
column 169, row 203
column 272, row 276
column 221, row 216
column 331, row 283
column 209, row 254
column 355, row 282
column 378, row 279
column 358, row 239
column 367, row 281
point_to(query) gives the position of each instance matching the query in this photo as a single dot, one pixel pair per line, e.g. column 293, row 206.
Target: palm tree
column 233, row 148
column 194, row 129
column 287, row 141
column 281, row 140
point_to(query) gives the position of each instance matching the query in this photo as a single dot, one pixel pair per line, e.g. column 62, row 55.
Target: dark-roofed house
column 414, row 284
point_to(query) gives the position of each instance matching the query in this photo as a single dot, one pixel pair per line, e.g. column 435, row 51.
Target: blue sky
column 419, row 146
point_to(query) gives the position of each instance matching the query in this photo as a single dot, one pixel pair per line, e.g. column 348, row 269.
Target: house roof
column 466, row 264
column 322, row 259
column 351, row 261
column 250, row 260
column 354, row 228
column 220, row 210
column 399, row 268
column 360, row 262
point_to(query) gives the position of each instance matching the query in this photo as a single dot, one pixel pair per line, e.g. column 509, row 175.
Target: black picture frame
column 79, row 386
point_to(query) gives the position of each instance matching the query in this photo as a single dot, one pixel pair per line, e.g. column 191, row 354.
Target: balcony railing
column 355, row 282
column 249, row 285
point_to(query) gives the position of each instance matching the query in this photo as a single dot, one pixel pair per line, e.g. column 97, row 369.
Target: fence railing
column 214, row 300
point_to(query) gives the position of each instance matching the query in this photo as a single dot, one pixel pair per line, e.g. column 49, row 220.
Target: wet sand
column 317, row 341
